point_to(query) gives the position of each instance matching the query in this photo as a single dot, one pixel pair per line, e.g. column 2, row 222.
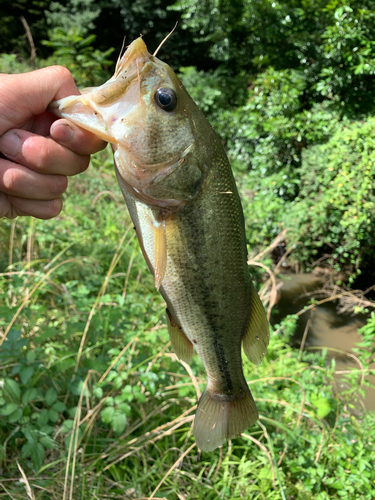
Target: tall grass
column 95, row 405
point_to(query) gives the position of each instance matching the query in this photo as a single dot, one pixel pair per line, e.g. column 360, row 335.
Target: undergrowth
column 94, row 404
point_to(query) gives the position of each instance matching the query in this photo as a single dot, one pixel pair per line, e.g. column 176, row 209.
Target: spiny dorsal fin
column 181, row 345
column 256, row 339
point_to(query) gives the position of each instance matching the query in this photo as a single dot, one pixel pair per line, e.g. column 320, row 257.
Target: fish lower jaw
column 149, row 200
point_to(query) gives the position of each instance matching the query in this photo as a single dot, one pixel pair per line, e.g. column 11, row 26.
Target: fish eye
column 166, row 99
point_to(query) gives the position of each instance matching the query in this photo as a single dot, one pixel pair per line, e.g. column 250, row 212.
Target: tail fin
column 221, row 417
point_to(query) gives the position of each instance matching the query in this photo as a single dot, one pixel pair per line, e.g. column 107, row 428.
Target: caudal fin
column 221, row 417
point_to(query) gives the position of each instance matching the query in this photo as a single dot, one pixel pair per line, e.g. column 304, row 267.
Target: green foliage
column 74, row 14
column 88, row 387
column 11, row 63
column 335, row 208
column 76, row 52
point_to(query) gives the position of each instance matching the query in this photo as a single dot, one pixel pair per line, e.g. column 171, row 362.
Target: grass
column 95, row 405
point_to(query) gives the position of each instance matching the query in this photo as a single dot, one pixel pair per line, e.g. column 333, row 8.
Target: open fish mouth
column 98, row 109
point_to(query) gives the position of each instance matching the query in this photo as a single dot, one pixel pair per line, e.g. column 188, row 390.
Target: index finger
column 26, row 95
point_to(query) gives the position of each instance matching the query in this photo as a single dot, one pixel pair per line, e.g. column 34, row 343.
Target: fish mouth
column 97, row 108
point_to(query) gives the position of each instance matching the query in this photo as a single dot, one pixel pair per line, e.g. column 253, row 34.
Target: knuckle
column 62, row 73
column 43, row 158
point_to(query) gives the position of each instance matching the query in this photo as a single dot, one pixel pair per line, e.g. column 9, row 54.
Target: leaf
column 29, row 395
column 125, row 408
column 48, row 442
column 118, row 423
column 141, row 398
column 51, row 396
column 14, row 417
column 26, row 372
column 43, row 417
column 2, row 452
column 67, row 425
column 322, row 404
column 27, row 449
column 13, row 389
column 31, row 356
column 107, row 414
column 98, row 392
column 8, row 409
column 37, row 456
column 53, row 415
column 59, row 406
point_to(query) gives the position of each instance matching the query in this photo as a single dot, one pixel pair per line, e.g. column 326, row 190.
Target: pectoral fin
column 160, row 251
column 180, row 343
column 256, row 340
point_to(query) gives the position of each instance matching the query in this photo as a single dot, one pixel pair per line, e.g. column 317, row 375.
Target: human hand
column 38, row 150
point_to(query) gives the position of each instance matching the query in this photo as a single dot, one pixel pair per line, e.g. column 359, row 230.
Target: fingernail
column 10, row 144
column 62, row 132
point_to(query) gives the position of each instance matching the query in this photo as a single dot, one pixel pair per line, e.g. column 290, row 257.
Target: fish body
column 180, row 191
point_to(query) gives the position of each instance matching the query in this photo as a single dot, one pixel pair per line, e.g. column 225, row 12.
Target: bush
column 335, row 209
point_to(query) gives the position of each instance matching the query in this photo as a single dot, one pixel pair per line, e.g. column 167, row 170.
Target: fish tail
column 219, row 417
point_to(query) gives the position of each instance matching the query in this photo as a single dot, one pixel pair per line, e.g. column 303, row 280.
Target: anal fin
column 181, row 345
column 256, row 339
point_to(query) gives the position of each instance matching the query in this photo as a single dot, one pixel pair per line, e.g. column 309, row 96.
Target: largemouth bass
column 180, row 191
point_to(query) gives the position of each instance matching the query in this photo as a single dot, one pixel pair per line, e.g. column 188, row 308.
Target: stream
column 327, row 328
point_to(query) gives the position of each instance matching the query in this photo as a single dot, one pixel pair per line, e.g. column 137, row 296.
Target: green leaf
column 8, row 409
column 141, row 398
column 322, row 404
column 43, row 417
column 37, row 456
column 14, row 417
column 125, row 408
column 31, row 356
column 27, row 449
column 67, row 425
column 53, row 415
column 26, row 372
column 118, row 422
column 98, row 392
column 58, row 406
column 13, row 389
column 51, row 396
column 107, row 414
column 2, row 452
column 29, row 395
column 48, row 442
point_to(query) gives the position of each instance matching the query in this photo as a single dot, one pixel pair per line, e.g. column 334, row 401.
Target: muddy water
column 327, row 328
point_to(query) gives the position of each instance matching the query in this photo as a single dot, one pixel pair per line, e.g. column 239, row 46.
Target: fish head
column 153, row 124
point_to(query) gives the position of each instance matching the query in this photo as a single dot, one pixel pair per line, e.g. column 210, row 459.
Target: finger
column 41, row 154
column 42, row 86
column 75, row 138
column 20, row 181
column 11, row 207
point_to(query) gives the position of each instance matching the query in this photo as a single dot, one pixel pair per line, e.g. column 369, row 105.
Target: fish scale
column 181, row 195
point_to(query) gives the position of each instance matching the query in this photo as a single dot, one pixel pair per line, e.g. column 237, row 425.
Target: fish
column 181, row 194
